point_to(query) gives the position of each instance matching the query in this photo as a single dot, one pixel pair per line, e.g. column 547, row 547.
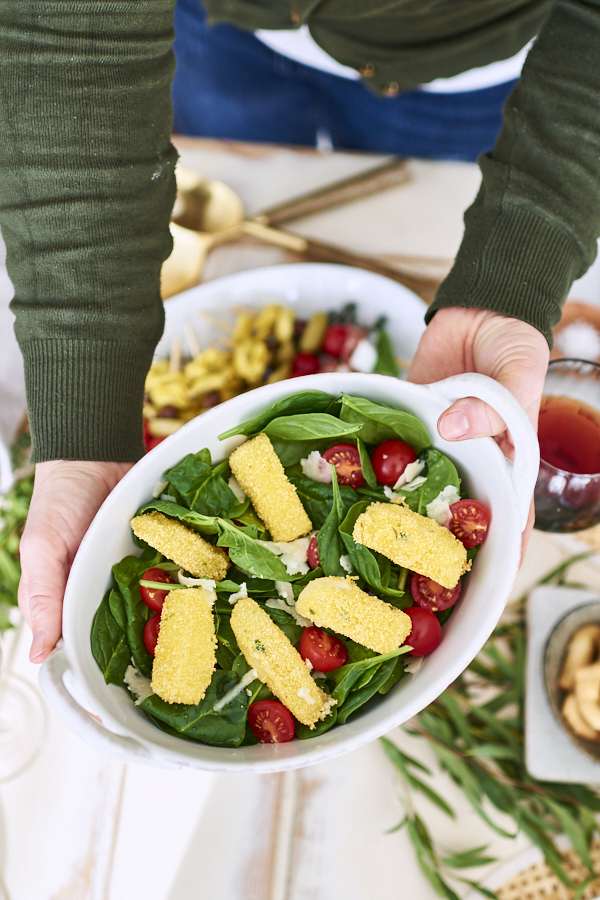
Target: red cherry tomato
column 151, row 633
column 312, row 554
column 470, row 520
column 430, row 595
column 426, row 631
column 305, row 364
column 335, row 338
column 271, row 722
column 153, row 597
column 390, row 459
column 323, row 650
column 354, row 335
column 346, row 459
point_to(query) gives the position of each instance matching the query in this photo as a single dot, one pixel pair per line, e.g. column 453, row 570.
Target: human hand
column 66, row 497
column 512, row 352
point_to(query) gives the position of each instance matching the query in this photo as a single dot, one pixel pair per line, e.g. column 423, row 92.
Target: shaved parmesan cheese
column 414, row 665
column 364, row 357
column 167, row 498
column 160, row 487
column 392, row 497
column 242, row 684
column 276, row 603
column 439, row 509
column 285, row 590
column 241, row 594
column 316, row 674
column 309, row 665
column 207, row 583
column 293, row 554
column 346, row 564
column 137, row 684
column 415, row 483
column 236, row 489
column 316, row 468
column 411, row 471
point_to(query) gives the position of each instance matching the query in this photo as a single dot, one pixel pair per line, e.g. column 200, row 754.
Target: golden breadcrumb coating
column 278, row 664
column 261, row 476
column 181, row 545
column 337, row 603
column 184, row 661
column 413, row 541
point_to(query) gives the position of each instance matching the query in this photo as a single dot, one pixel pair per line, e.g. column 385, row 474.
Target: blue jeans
column 230, row 85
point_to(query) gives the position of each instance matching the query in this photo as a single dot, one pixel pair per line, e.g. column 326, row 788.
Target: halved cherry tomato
column 335, row 337
column 346, row 459
column 153, row 597
column 323, row 650
column 426, row 631
column 390, row 459
column 430, row 595
column 312, row 554
column 305, row 364
column 151, row 633
column 271, row 722
column 470, row 520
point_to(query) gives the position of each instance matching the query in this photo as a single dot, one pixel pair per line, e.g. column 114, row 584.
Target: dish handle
column 525, row 466
column 86, row 726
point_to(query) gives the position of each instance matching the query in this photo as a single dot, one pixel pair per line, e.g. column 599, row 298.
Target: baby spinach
column 380, row 423
column 317, row 498
column 309, row 427
column 304, row 731
column 355, row 674
column 369, row 565
column 366, row 466
column 109, row 643
column 225, row 728
column 367, row 687
column 441, row 472
column 303, row 402
column 127, row 574
column 328, row 538
column 201, row 487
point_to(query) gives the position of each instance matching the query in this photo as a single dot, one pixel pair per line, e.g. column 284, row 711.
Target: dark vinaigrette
column 569, row 435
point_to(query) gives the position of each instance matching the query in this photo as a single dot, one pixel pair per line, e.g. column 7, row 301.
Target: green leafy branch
column 475, row 729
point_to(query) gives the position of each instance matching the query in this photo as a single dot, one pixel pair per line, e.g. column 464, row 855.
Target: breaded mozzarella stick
column 181, row 545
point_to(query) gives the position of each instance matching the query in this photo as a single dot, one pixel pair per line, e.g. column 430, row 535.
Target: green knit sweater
column 87, row 175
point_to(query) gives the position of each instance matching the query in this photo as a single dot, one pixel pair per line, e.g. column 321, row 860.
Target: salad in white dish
column 282, row 589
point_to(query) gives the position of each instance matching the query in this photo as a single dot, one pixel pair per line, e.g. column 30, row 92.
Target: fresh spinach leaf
column 441, row 472
column 328, row 537
column 309, row 427
column 350, row 675
column 201, row 487
column 395, row 675
column 196, row 521
column 380, row 423
column 386, row 356
column 291, row 452
column 286, row 623
column 303, row 402
column 127, row 574
column 317, row 498
column 109, row 643
column 303, row 731
column 365, row 690
column 366, row 466
column 227, row 646
column 225, row 728
column 250, row 556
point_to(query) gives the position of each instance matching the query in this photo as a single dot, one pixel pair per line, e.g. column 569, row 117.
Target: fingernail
column 453, row 426
column 37, row 646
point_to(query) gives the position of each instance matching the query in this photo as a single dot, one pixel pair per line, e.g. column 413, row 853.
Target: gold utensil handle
column 382, row 177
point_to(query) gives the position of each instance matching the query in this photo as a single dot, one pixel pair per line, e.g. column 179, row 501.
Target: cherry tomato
column 305, row 364
column 354, row 336
column 271, row 722
column 153, row 597
column 346, row 459
column 390, row 459
column 151, row 633
column 323, row 650
column 335, row 338
column 470, row 520
column 312, row 554
column 426, row 631
column 430, row 595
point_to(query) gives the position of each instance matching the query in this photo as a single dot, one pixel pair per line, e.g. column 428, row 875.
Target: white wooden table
column 76, row 826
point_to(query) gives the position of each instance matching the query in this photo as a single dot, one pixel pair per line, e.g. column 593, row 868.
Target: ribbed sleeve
column 534, row 225
column 86, row 188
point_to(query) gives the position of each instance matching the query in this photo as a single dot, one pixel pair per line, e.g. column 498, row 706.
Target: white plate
column 307, row 287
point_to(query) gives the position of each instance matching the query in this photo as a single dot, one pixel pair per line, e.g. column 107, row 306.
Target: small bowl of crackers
column 572, row 674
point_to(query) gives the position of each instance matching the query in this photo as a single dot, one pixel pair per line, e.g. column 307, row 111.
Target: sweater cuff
column 85, row 399
column 518, row 265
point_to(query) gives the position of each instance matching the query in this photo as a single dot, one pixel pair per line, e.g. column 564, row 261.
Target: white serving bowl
column 121, row 729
